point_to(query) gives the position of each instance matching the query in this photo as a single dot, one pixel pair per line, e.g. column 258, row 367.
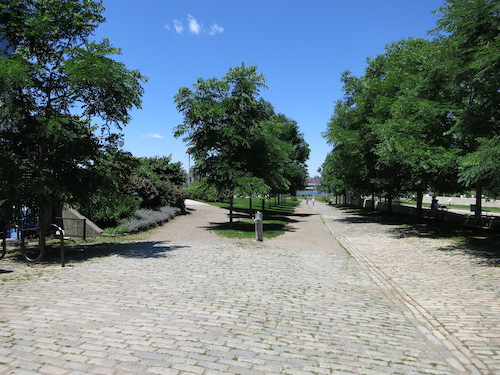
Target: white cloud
column 194, row 26
column 216, row 29
column 151, row 135
column 179, row 28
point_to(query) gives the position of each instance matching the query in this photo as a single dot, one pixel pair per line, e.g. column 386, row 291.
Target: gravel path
column 189, row 302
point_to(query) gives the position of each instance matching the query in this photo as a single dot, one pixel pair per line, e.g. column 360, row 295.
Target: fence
column 73, row 227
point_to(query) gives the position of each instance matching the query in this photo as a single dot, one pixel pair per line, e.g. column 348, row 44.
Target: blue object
column 12, row 233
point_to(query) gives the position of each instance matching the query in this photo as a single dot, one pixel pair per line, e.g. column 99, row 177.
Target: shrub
column 144, row 219
column 199, row 190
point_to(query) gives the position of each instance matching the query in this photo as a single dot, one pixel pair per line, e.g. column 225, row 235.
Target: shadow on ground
column 484, row 246
column 246, row 227
column 82, row 253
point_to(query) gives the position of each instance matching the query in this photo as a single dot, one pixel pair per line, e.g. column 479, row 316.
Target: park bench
column 486, row 223
column 434, row 215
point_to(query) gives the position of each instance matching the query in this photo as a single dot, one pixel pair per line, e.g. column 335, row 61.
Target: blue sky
column 300, row 46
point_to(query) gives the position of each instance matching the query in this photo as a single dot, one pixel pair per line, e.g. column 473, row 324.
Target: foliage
column 276, row 220
column 482, row 166
column 239, row 145
column 471, row 34
column 144, row 219
column 127, row 183
column 221, row 119
column 200, row 190
column 103, row 198
column 425, row 114
column 53, row 83
column 157, row 182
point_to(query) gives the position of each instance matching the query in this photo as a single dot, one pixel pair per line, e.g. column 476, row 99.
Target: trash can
column 473, row 208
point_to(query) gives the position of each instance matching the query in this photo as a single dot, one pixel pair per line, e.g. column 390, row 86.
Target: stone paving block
column 216, row 307
column 162, row 371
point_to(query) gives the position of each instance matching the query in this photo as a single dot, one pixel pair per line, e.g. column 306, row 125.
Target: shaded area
column 85, row 252
column 480, row 244
column 276, row 219
column 248, row 227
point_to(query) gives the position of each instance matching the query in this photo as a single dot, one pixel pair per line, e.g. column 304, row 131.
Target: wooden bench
column 483, row 223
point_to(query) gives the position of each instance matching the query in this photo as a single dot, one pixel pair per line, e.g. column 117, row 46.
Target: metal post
column 63, row 259
column 259, row 226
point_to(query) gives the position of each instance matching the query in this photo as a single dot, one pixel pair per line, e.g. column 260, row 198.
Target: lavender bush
column 144, row 219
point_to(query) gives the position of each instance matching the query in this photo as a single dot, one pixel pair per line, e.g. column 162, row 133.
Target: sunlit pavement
column 450, row 289
column 393, row 303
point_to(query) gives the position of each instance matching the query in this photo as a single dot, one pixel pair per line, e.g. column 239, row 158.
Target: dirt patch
column 194, row 226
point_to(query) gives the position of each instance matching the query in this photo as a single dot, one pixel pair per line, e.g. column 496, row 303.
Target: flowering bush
column 157, row 182
column 144, row 219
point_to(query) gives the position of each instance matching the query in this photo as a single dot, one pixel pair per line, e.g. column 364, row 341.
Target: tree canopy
column 237, row 141
column 425, row 114
column 58, row 90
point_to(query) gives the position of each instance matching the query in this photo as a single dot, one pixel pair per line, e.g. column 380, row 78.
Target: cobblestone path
column 167, row 306
column 453, row 292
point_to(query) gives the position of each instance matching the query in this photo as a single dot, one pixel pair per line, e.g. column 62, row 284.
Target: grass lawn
column 276, row 218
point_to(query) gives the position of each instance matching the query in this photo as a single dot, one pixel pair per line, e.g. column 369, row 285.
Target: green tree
column 105, row 197
column 413, row 129
column 221, row 122
column 391, row 131
column 54, row 82
column 350, row 167
column 471, row 33
column 297, row 153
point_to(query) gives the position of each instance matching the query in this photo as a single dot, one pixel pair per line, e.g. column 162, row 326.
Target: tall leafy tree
column 413, row 131
column 58, row 89
column 390, row 131
column 221, row 121
column 239, row 144
column 297, row 151
column 279, row 154
column 350, row 167
column 470, row 30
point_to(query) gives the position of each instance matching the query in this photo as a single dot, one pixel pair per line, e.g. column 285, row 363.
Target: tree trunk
column 479, row 208
column 373, row 201
column 263, row 204
column 250, row 203
column 420, row 198
column 389, row 203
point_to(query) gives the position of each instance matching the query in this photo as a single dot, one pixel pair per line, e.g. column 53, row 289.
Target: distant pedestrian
column 313, row 200
column 307, row 201
column 434, row 204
